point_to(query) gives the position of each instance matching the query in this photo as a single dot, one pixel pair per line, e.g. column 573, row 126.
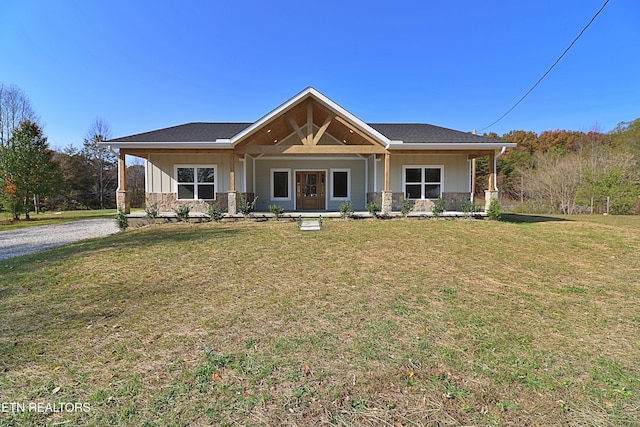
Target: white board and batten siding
column 455, row 168
column 161, row 171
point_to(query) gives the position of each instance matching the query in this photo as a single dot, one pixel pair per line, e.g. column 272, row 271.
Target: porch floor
column 302, row 215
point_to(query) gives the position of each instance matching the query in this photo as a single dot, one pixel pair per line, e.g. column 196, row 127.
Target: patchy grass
column 49, row 218
column 364, row 323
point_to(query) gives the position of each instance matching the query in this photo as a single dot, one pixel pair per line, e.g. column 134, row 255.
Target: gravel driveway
column 34, row 239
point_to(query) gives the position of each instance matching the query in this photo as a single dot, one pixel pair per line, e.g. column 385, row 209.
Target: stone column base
column 387, row 202
column 122, row 201
column 489, row 195
column 232, row 204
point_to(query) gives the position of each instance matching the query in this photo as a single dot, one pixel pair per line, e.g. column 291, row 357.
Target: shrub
column 438, row 207
column 469, row 208
column 276, row 210
column 122, row 220
column 407, row 206
column 494, row 210
column 245, row 207
column 346, row 209
column 373, row 208
column 214, row 210
column 152, row 211
column 183, row 212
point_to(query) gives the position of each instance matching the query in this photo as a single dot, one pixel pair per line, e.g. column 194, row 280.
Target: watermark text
column 44, row 407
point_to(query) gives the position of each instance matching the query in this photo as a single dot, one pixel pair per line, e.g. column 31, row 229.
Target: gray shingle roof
column 209, row 132
column 425, row 133
column 189, row 132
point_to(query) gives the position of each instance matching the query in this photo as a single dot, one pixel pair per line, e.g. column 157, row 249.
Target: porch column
column 122, row 196
column 473, row 180
column 491, row 193
column 232, row 206
column 232, row 173
column 387, row 195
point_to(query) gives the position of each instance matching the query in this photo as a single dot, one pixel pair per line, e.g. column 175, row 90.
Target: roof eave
column 426, row 146
column 219, row 143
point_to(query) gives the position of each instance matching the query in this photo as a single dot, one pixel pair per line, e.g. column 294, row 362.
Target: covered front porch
column 303, row 186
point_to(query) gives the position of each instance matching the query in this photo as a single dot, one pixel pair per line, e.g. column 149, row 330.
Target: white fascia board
column 269, row 116
column 328, row 103
column 350, row 117
column 398, row 145
column 224, row 143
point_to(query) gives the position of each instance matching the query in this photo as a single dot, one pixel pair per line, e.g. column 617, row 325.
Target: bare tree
column 103, row 160
column 15, row 107
column 585, row 180
column 554, row 181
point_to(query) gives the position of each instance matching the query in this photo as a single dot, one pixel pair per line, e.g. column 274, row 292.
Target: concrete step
column 310, row 225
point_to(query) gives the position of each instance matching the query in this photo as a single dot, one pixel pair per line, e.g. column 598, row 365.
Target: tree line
column 35, row 177
column 569, row 172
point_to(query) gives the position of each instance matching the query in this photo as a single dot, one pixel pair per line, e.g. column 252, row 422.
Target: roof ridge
column 214, row 123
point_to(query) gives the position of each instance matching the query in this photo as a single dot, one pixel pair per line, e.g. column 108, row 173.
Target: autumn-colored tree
column 526, row 140
column 26, row 169
column 562, row 141
column 597, row 138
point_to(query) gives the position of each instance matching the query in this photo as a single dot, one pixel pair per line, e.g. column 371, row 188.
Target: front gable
column 309, row 123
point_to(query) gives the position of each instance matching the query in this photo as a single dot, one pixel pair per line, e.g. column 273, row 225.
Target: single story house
column 308, row 154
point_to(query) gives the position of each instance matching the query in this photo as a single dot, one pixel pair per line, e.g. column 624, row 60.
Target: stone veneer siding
column 123, row 202
column 452, row 201
column 167, row 202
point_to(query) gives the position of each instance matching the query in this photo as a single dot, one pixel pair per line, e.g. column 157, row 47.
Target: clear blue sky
column 145, row 65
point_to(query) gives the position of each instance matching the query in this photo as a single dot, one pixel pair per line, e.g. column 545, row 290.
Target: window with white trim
column 196, row 182
column 422, row 182
column 280, row 184
column 340, row 184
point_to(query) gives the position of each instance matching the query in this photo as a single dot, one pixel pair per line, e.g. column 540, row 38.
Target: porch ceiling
column 308, row 121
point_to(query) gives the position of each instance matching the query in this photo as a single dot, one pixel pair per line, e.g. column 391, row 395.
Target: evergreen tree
column 26, row 169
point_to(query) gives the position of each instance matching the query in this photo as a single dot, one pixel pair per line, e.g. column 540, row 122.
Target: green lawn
column 48, row 218
column 398, row 322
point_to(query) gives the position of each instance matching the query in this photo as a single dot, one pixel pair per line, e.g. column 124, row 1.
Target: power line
column 550, row 68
